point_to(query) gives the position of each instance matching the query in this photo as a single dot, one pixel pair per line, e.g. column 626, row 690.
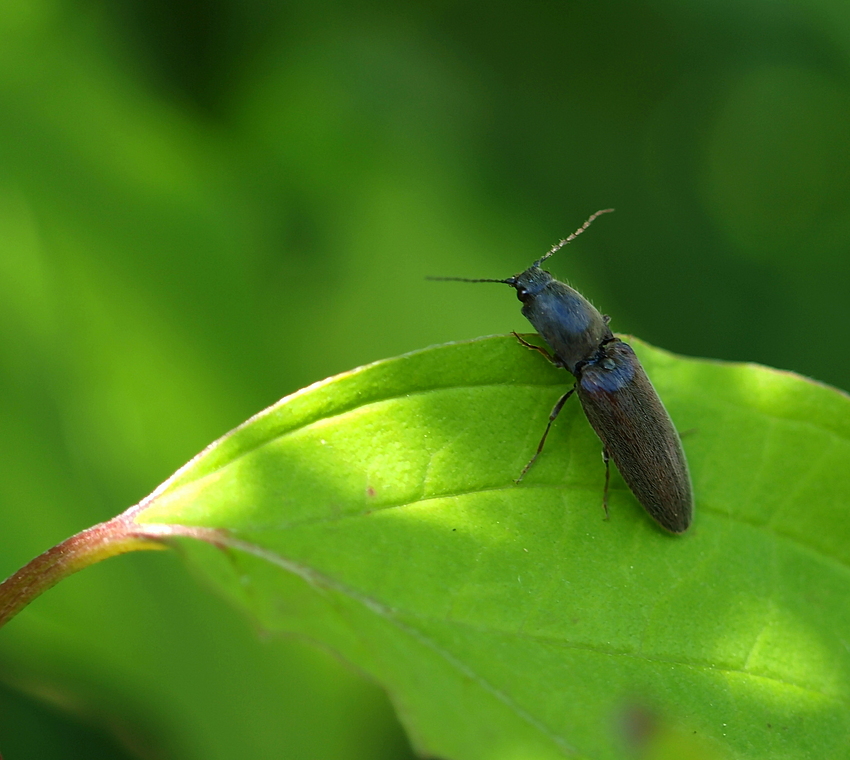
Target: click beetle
column 617, row 397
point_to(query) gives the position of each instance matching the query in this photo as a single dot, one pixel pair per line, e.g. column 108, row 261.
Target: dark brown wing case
column 625, row 411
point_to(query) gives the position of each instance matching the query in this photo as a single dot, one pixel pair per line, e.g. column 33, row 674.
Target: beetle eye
column 522, row 294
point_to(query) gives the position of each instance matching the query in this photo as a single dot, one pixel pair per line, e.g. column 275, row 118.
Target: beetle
column 616, row 395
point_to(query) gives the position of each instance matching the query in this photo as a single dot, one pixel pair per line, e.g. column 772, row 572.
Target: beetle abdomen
column 628, row 416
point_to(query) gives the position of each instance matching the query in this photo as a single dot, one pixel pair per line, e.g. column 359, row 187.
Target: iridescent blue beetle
column 615, row 392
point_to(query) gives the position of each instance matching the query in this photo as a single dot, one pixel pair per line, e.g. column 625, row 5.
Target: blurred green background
column 207, row 204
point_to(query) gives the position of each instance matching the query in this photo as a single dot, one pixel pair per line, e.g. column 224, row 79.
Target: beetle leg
column 607, row 459
column 556, row 410
column 539, row 349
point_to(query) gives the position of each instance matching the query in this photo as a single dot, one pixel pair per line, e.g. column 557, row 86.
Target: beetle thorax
column 566, row 320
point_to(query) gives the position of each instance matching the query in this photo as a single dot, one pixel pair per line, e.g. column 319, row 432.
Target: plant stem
column 97, row 543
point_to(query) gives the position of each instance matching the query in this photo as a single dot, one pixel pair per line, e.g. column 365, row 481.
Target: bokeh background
column 207, row 204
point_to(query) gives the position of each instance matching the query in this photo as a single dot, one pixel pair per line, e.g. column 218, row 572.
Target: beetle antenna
column 464, row 279
column 557, row 247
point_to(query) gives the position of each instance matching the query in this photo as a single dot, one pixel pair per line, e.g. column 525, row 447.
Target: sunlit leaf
column 376, row 513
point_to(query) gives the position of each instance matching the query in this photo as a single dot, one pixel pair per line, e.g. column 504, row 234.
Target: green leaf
column 376, row 513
